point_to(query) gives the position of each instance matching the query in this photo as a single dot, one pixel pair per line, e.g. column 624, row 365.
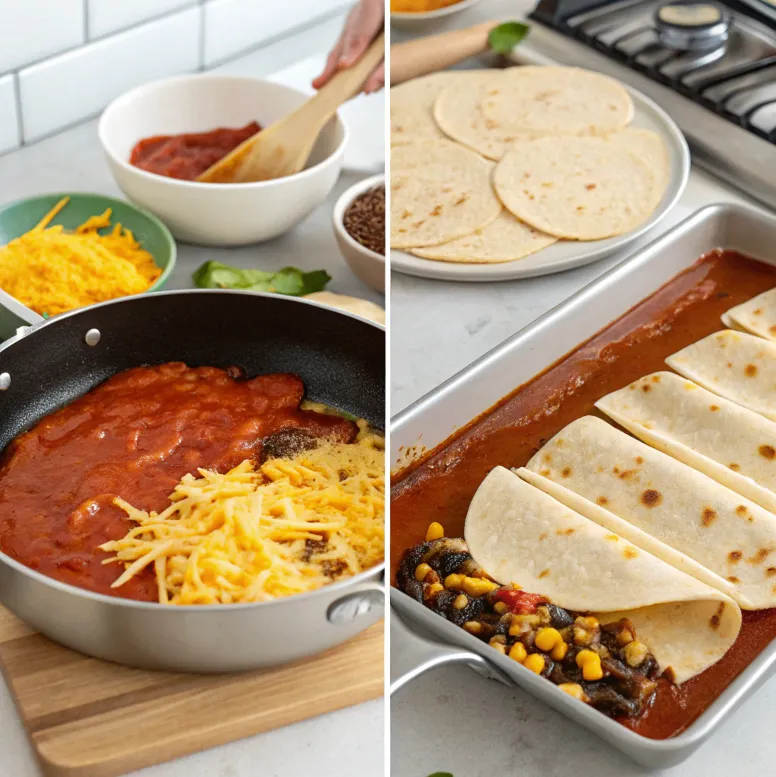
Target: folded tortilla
column 519, row 534
column 735, row 365
column 727, row 442
column 757, row 315
column 672, row 504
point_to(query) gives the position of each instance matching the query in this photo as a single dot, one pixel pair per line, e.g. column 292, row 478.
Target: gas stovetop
column 711, row 66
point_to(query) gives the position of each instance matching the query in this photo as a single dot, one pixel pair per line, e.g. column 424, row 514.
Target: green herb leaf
column 440, row 774
column 290, row 280
column 505, row 37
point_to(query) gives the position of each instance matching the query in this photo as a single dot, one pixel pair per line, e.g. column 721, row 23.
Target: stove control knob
column 692, row 26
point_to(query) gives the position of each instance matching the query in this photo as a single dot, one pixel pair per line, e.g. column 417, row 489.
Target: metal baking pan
column 434, row 418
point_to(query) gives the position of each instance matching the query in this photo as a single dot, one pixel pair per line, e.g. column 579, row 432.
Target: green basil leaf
column 505, row 37
column 289, row 281
column 440, row 774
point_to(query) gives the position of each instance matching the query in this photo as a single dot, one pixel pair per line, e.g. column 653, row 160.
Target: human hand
column 363, row 24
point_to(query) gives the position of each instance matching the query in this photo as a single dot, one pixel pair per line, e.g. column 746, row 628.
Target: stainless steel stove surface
column 711, row 66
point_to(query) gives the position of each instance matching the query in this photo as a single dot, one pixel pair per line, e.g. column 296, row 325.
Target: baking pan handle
column 413, row 655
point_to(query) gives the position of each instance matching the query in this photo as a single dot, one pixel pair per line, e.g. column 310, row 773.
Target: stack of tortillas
column 493, row 165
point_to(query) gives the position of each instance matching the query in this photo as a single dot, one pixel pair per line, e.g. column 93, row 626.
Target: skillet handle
column 413, row 655
column 362, row 600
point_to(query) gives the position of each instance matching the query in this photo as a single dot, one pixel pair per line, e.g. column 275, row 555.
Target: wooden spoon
column 437, row 52
column 285, row 146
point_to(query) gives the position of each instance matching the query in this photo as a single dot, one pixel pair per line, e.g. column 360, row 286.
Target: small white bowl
column 217, row 214
column 368, row 265
column 426, row 18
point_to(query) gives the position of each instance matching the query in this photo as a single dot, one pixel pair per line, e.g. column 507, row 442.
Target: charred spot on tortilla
column 639, row 460
column 543, row 536
column 714, row 408
column 627, row 474
column 735, row 556
column 770, row 572
column 651, row 498
column 733, row 579
column 750, row 370
column 656, row 378
column 646, row 388
column 544, row 472
column 566, row 472
column 544, row 573
column 602, row 500
column 757, row 312
column 630, row 552
column 767, row 451
column 708, row 516
column 564, row 532
column 741, row 511
column 547, row 457
column 735, row 467
column 760, row 556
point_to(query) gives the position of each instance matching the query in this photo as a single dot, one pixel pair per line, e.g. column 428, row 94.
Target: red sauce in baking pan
column 441, row 486
column 188, row 156
column 134, row 436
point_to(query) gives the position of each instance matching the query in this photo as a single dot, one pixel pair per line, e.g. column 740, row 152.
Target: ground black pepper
column 364, row 220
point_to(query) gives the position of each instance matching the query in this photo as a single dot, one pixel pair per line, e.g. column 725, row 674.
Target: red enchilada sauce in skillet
column 686, row 309
column 135, row 436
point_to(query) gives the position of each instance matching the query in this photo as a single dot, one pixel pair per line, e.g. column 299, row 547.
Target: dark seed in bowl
column 364, row 220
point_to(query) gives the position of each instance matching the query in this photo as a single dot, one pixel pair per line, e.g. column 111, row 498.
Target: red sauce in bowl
column 187, row 156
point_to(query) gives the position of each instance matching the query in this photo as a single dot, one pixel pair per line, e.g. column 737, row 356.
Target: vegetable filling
column 601, row 664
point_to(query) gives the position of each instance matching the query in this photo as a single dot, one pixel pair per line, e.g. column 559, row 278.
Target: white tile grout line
column 17, row 98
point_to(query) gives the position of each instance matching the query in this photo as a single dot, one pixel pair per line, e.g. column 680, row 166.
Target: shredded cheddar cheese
column 51, row 270
column 252, row 535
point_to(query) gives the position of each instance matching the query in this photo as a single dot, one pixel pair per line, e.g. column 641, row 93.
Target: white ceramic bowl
column 217, row 214
column 425, row 19
column 365, row 263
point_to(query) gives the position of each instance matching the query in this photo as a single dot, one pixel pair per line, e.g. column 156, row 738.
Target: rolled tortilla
column 519, row 534
column 672, row 504
column 735, row 365
column 727, row 442
column 757, row 315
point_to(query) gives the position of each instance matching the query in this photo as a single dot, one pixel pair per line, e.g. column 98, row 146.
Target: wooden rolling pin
column 437, row 52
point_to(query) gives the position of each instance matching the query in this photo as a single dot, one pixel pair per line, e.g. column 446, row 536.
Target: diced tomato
column 519, row 602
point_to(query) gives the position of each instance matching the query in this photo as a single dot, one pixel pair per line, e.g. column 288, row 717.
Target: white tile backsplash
column 9, row 121
column 232, row 26
column 32, row 29
column 63, row 61
column 107, row 16
column 68, row 88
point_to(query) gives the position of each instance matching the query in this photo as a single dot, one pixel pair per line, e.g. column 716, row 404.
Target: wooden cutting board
column 92, row 718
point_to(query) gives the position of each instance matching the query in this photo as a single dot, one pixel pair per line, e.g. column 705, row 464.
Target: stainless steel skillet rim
column 120, row 602
column 681, row 745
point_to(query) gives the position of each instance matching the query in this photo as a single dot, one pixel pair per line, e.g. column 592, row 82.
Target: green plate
column 20, row 217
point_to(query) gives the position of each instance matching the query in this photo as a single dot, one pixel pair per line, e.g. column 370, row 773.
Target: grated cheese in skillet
column 252, row 535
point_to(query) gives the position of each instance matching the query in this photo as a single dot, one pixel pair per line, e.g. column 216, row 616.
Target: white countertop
column 72, row 161
column 453, row 719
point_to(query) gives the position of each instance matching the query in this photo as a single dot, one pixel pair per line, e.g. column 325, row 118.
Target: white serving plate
column 567, row 254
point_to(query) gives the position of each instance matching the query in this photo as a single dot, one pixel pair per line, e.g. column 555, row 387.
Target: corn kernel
column 421, row 570
column 573, row 689
column 454, row 582
column 473, row 627
column 589, row 623
column 635, row 653
column 435, row 532
column 500, row 646
column 624, row 637
column 558, row 653
column 434, row 589
column 535, row 662
column 590, row 664
column 501, row 608
column 460, row 601
column 518, row 652
column 475, row 586
column 547, row 638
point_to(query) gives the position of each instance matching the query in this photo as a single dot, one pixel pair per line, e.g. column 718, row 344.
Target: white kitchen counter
column 452, row 719
column 73, row 161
